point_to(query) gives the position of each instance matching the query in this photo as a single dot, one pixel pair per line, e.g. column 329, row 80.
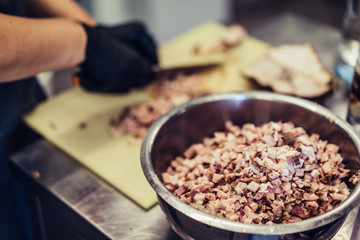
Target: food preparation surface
column 112, row 213
column 78, row 121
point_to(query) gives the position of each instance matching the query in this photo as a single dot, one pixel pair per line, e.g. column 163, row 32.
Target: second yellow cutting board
column 78, row 121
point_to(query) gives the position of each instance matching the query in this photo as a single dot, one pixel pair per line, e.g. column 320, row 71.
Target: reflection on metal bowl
column 189, row 123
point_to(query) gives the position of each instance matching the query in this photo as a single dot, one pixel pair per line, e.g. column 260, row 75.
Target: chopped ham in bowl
column 280, row 170
column 252, row 165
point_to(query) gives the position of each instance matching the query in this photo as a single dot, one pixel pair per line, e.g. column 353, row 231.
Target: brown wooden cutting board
column 78, row 121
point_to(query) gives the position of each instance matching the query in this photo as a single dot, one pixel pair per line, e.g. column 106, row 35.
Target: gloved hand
column 117, row 58
column 135, row 35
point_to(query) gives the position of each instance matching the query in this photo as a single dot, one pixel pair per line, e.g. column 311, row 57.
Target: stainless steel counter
column 63, row 183
column 81, row 205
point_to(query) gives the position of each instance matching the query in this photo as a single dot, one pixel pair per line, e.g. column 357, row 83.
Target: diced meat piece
column 240, row 187
column 287, row 187
column 277, row 210
column 285, row 172
column 276, row 183
column 253, row 186
column 299, row 211
column 355, row 179
column 326, row 167
column 254, row 206
column 264, row 188
column 270, row 196
column 213, row 206
column 307, row 177
column 170, row 179
column 250, row 214
column 250, row 136
column 271, row 153
column 233, row 128
column 247, row 220
column 232, row 216
column 233, row 35
column 315, row 173
column 312, row 204
column 249, row 127
column 199, row 198
column 274, row 175
column 308, row 153
column 211, row 196
column 344, row 188
column 170, row 187
column 201, row 188
column 332, row 148
column 299, row 172
column 298, row 163
column 269, row 140
column 222, row 195
column 180, row 190
column 190, row 164
column 339, row 197
column 294, row 219
column 192, row 151
column 186, row 199
column 314, row 186
column 309, row 167
column 310, row 196
column 217, row 177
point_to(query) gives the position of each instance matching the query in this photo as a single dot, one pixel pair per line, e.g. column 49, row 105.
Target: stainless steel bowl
column 189, row 123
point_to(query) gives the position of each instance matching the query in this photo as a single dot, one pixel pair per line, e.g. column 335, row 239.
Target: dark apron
column 16, row 98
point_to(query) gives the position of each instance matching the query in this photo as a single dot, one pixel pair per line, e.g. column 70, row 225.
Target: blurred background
column 254, row 12
column 168, row 19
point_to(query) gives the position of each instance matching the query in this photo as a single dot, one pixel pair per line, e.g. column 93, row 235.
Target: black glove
column 135, row 35
column 117, row 59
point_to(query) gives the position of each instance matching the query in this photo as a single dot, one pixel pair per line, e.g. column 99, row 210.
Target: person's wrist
column 83, row 44
column 84, row 39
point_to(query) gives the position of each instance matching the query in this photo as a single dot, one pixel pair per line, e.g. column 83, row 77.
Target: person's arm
column 30, row 46
column 56, row 8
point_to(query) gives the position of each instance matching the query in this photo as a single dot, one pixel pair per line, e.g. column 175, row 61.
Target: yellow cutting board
column 78, row 121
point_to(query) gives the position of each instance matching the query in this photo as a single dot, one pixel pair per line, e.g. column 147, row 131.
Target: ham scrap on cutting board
column 78, row 121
